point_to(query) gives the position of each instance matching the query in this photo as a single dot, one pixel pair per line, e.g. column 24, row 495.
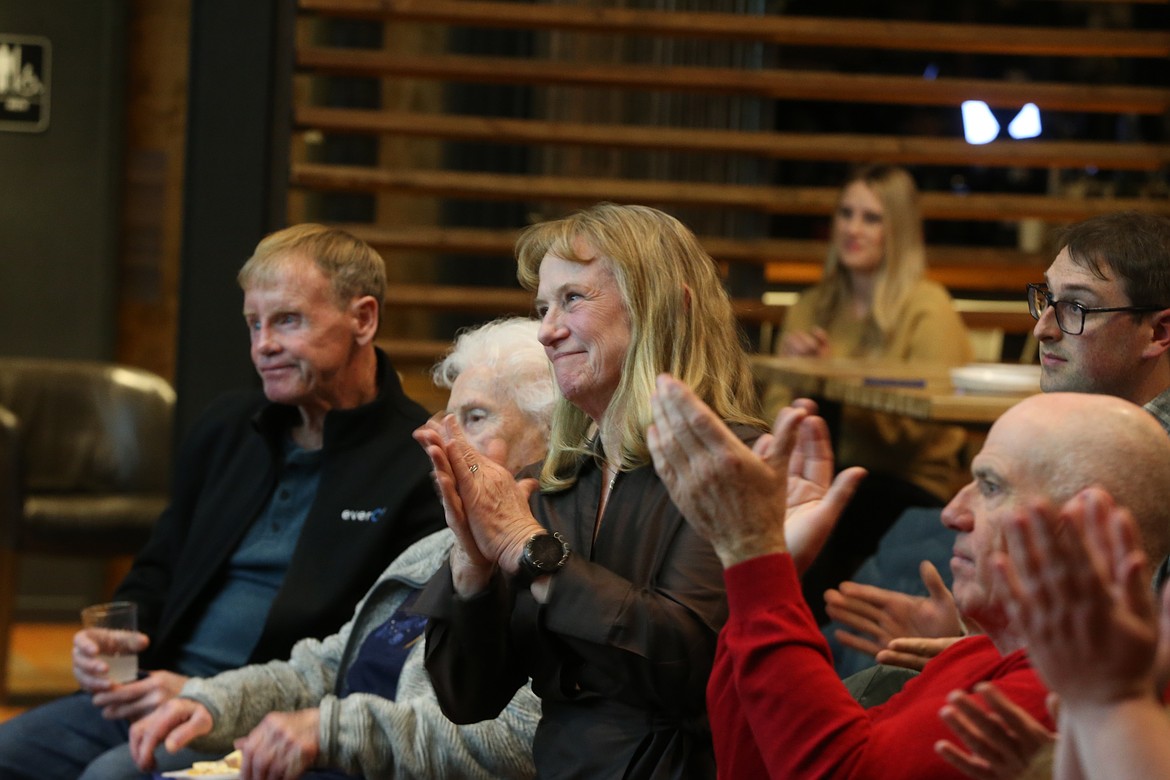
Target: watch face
column 544, row 553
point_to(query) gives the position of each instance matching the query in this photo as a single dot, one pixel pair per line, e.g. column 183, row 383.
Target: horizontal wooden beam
column 492, row 300
column 958, row 279
column 769, row 200
column 898, row 35
column 786, row 261
column 501, row 300
column 744, row 250
column 770, row 83
column 906, row 150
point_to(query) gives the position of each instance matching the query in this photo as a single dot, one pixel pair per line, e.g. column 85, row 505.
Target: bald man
column 775, row 703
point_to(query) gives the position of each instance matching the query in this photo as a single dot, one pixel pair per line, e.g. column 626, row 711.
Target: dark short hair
column 1134, row 245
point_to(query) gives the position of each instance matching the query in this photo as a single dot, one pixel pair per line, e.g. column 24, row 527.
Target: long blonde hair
column 903, row 255
column 681, row 322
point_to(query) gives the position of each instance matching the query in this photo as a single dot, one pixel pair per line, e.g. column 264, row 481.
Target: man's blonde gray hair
column 351, row 265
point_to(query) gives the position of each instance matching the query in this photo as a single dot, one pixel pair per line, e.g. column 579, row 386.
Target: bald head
column 1077, row 440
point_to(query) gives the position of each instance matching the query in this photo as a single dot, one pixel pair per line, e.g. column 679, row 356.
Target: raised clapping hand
column 913, row 652
column 999, row 738
column 485, row 506
column 778, row 496
column 1080, row 597
column 897, row 628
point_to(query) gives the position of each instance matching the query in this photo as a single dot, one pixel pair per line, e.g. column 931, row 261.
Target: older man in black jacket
column 285, row 508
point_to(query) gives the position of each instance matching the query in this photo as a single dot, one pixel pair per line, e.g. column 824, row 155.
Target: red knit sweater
column 778, row 710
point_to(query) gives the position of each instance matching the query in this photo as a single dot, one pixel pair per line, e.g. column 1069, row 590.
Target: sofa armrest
column 11, row 495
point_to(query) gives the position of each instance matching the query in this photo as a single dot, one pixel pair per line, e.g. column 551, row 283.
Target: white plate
column 997, row 378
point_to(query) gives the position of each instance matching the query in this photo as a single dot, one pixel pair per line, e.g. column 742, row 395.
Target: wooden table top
column 921, row 391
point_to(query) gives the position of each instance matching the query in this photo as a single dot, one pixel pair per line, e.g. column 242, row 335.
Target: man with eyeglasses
column 1103, row 316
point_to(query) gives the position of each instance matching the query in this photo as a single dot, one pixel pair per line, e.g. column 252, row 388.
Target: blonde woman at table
column 875, row 302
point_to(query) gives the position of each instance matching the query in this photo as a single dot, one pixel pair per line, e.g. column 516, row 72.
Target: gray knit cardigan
column 366, row 734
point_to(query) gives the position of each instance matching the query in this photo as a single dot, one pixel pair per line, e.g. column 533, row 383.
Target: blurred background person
column 874, row 302
column 595, row 586
column 360, row 700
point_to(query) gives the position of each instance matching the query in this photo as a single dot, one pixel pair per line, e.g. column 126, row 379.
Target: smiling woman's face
column 585, row 329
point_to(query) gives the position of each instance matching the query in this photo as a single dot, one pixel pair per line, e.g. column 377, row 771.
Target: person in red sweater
column 776, row 706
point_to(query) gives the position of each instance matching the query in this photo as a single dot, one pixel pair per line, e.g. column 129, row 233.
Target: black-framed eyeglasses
column 1070, row 315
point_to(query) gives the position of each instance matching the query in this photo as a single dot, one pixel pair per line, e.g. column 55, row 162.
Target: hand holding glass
column 114, row 627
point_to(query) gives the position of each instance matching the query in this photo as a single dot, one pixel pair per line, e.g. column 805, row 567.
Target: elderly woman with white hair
column 360, row 700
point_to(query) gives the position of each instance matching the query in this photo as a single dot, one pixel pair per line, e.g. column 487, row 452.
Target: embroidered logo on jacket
column 363, row 515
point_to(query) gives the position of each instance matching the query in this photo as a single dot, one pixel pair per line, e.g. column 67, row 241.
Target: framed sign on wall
column 24, row 83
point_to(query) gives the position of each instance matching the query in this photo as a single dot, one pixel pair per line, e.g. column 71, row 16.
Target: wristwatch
column 544, row 553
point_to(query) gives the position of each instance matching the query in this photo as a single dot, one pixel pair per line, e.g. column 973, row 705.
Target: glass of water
column 114, row 626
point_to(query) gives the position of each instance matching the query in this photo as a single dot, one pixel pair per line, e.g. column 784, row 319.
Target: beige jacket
column 928, row 330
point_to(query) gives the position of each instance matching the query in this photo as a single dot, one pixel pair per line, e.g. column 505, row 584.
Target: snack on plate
column 225, row 765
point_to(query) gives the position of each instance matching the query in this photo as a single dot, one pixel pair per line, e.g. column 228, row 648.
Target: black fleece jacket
column 375, row 499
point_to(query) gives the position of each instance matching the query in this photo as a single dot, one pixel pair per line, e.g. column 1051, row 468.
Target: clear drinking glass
column 114, row 626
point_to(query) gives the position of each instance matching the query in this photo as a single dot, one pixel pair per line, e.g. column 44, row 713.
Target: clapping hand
column 875, row 617
column 1080, row 598
column 484, row 504
column 777, row 496
column 1000, row 737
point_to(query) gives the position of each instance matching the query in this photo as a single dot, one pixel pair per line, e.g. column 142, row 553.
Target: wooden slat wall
column 678, row 109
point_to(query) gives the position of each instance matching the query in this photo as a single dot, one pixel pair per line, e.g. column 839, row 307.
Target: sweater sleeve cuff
column 761, row 583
